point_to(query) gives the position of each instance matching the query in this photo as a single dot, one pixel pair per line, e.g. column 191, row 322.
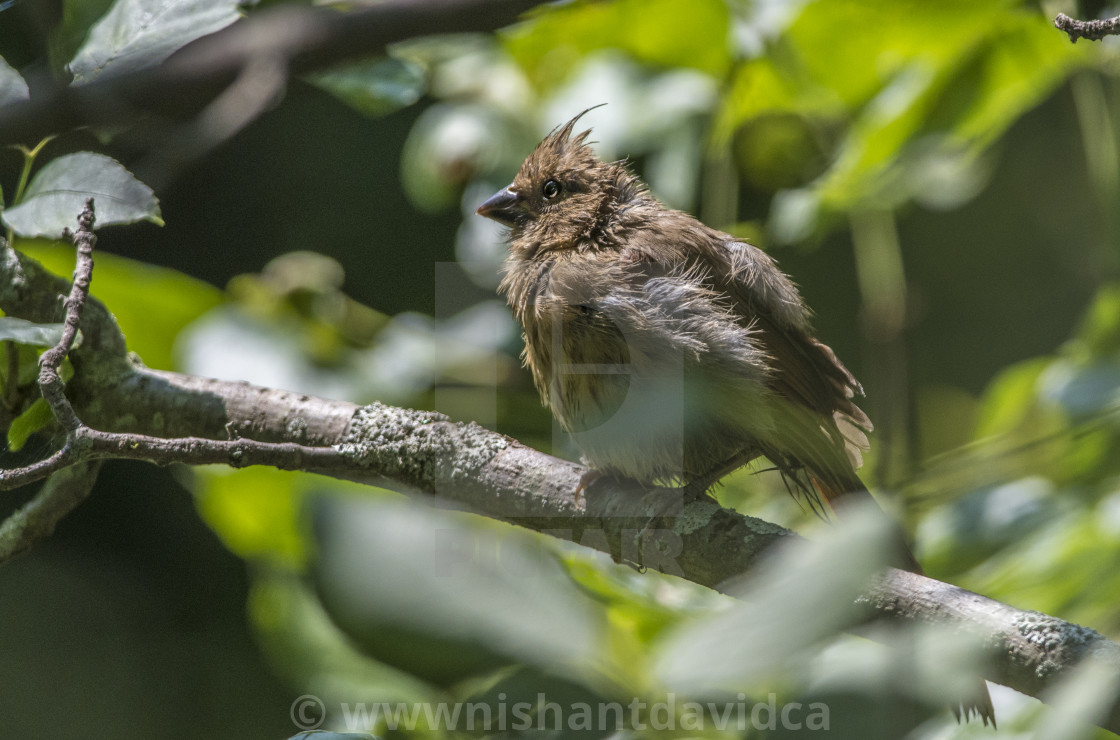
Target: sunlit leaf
column 1010, row 398
column 37, row 416
column 662, row 32
column 899, row 96
column 58, row 192
column 136, row 34
column 1099, row 333
column 256, row 512
column 151, row 304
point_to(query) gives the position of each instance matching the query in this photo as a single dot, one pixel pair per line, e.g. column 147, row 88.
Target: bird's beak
column 502, row 206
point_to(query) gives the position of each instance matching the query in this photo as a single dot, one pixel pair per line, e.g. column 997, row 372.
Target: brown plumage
column 670, row 351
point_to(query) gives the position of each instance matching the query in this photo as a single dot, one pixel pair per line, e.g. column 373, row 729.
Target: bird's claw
column 585, row 482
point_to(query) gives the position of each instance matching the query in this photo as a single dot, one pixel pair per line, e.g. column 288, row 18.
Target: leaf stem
column 29, row 156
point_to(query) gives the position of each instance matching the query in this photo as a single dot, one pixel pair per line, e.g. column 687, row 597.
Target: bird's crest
column 562, row 151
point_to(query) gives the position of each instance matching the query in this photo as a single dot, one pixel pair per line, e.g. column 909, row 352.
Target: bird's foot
column 696, row 490
column 585, row 481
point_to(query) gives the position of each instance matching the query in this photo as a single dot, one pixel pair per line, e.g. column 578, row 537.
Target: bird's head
column 562, row 195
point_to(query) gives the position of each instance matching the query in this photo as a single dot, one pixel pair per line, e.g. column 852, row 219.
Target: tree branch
column 37, row 519
column 300, row 39
column 1092, row 30
column 469, row 467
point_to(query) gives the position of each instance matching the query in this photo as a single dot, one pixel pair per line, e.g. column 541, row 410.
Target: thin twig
column 86, row 444
column 50, row 381
column 1092, row 30
column 83, row 443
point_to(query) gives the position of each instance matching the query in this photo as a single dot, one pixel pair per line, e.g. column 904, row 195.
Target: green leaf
column 374, row 87
column 28, row 367
column 22, row 331
column 665, row 33
column 803, row 596
column 78, row 17
column 136, row 34
column 12, row 87
column 58, row 193
column 293, row 631
column 256, row 512
column 1011, row 398
column 151, row 304
column 37, row 416
column 444, row 598
column 892, row 101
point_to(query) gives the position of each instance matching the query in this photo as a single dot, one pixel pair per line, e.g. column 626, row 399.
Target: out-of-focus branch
column 1092, row 30
column 38, row 517
column 298, row 39
column 177, row 418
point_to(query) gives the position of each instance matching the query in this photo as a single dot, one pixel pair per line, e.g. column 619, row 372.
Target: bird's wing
column 805, row 370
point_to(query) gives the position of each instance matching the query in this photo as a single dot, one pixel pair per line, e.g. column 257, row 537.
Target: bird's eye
column 550, row 189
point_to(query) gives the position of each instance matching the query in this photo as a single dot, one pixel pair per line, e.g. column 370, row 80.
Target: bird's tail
column 818, row 468
column 855, row 495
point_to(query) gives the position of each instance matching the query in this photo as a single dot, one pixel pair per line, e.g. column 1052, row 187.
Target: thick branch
column 302, row 39
column 469, row 467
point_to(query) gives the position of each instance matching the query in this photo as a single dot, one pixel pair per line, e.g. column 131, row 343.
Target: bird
column 671, row 352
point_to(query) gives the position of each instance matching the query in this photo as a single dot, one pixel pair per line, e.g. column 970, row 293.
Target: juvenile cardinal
column 673, row 353
column 670, row 351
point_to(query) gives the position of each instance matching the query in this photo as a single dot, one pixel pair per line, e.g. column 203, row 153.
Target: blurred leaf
column 447, row 146
column 901, row 96
column 805, row 594
column 305, row 647
column 256, row 511
column 151, row 304
column 1082, row 391
column 919, row 669
column 29, row 365
column 12, row 87
column 1010, row 398
column 136, row 34
column 445, row 599
column 1080, row 702
column 664, row 33
column 1099, row 333
column 524, row 687
column 22, row 331
column 58, row 192
column 945, row 419
column 640, row 609
column 374, row 86
column 37, row 416
column 987, row 65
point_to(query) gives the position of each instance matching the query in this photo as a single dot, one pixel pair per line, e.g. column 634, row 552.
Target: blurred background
column 941, row 179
